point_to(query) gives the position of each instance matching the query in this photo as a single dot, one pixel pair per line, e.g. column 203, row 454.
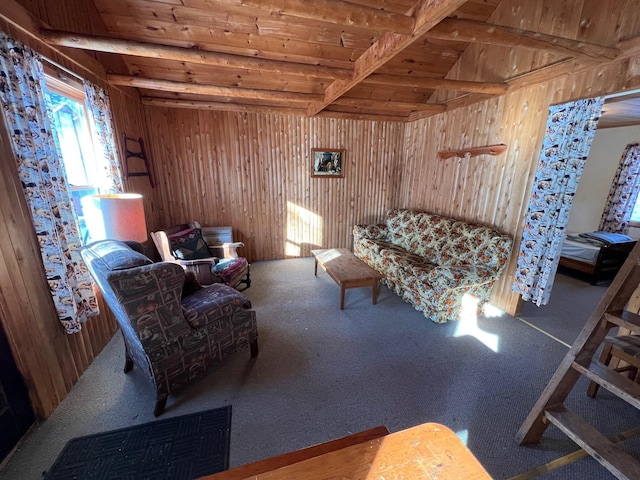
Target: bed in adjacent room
column 596, row 254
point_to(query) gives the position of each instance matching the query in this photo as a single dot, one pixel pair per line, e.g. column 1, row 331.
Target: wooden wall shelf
column 473, row 152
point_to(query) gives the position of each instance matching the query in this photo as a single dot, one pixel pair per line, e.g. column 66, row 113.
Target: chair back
column 161, row 241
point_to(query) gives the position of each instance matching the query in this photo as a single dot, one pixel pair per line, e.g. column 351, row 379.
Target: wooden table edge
column 279, row 461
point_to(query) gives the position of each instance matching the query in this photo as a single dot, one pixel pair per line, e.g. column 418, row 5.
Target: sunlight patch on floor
column 468, row 324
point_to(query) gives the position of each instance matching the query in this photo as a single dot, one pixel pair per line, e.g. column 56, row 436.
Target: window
column 635, row 215
column 71, row 127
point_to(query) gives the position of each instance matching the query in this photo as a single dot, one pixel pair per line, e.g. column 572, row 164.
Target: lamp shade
column 117, row 216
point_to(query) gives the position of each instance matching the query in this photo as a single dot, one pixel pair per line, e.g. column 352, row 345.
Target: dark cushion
column 191, row 284
column 189, row 245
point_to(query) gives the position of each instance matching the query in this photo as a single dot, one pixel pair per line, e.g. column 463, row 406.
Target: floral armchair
column 208, row 252
column 174, row 329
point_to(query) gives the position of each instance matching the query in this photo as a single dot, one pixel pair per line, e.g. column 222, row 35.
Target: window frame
column 73, row 89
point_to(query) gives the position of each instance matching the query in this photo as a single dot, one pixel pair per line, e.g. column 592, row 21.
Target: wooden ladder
column 138, row 153
column 612, row 311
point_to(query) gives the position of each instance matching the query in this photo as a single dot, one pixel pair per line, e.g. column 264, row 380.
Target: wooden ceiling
column 621, row 111
column 371, row 59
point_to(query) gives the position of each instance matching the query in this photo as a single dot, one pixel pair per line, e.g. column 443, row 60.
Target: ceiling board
column 621, row 111
column 282, row 31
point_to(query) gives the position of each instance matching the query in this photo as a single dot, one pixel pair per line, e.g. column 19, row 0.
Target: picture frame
column 327, row 163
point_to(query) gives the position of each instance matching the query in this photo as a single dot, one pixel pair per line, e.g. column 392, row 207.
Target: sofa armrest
column 457, row 276
column 371, row 232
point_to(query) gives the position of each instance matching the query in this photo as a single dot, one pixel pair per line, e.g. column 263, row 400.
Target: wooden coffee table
column 347, row 271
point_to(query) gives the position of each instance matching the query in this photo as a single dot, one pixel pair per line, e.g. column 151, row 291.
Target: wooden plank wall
column 495, row 190
column 50, row 360
column 253, row 172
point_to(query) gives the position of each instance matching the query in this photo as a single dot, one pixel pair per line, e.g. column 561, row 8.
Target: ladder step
column 612, row 457
column 618, row 384
column 624, row 318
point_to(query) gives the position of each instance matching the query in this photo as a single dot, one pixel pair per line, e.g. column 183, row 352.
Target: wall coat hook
column 473, row 152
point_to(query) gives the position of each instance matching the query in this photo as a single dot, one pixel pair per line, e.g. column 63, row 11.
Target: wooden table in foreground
column 347, row 271
column 428, row 451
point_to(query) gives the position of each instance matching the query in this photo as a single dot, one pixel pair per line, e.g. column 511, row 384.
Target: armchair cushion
column 189, row 245
column 214, row 304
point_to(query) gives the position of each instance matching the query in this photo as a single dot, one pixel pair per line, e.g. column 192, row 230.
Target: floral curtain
column 570, row 130
column 624, row 192
column 106, row 150
column 44, row 183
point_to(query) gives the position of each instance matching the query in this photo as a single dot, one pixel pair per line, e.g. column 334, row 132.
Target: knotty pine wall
column 252, row 167
column 253, row 172
column 486, row 189
column 50, row 360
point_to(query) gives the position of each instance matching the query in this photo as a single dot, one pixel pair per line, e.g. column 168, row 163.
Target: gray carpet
column 323, row 373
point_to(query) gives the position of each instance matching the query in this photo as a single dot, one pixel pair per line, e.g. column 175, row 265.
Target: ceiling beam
column 427, row 14
column 363, row 116
column 18, row 16
column 234, row 107
column 492, row 88
column 200, row 89
column 191, row 55
column 389, row 105
column 339, row 13
column 628, row 49
column 219, row 106
column 479, row 32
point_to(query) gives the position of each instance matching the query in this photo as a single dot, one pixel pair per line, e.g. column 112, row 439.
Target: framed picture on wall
column 327, row 162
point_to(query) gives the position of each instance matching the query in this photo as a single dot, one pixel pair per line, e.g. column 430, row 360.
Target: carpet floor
column 324, row 373
column 179, row 448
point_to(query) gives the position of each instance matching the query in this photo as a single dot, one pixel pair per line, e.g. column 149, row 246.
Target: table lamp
column 118, row 216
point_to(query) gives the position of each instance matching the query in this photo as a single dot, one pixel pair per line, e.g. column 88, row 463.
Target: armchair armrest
column 229, row 249
column 203, row 269
column 199, row 261
column 372, row 232
column 457, row 276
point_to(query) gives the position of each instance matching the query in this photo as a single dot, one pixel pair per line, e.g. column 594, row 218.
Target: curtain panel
column 569, row 132
column 623, row 193
column 106, row 150
column 44, row 183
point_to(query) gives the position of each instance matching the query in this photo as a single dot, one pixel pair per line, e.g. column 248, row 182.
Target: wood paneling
column 50, row 360
column 253, row 171
column 493, row 190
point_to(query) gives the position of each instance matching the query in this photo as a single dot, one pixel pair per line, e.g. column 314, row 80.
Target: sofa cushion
column 189, row 245
column 476, row 245
column 457, row 276
column 395, row 257
column 420, row 233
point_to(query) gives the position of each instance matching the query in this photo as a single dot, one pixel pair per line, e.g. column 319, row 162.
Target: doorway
column 16, row 414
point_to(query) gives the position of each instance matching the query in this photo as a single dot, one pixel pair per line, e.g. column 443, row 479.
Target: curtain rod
column 60, row 67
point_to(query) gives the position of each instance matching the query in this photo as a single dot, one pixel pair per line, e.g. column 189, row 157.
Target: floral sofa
column 174, row 329
column 433, row 261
